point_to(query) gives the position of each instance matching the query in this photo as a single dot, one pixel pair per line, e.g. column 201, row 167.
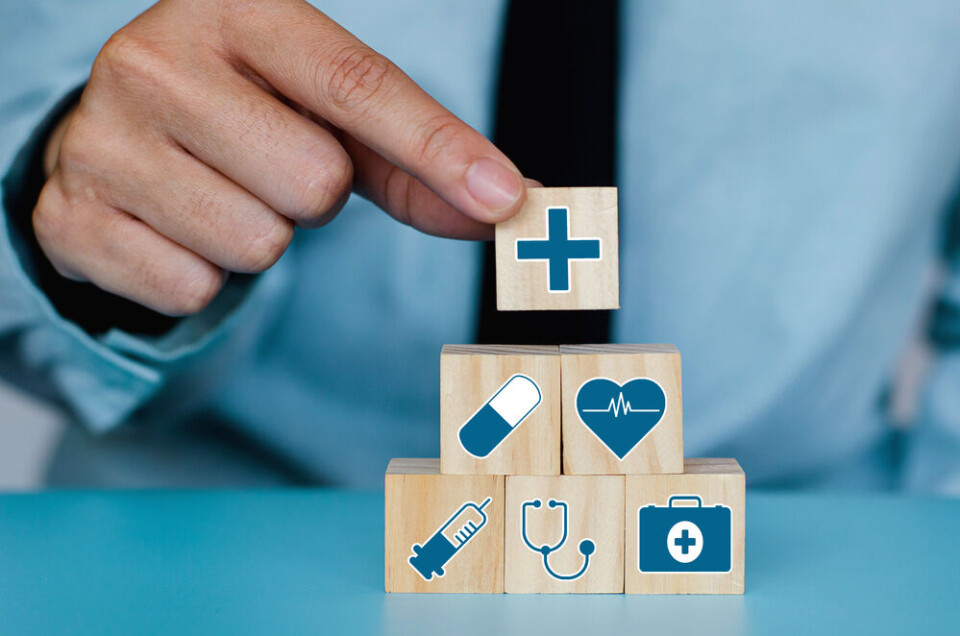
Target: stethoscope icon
column 586, row 546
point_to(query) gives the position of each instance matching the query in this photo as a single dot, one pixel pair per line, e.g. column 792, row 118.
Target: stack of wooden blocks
column 561, row 468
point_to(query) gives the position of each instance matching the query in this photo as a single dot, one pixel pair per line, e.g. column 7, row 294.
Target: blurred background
column 825, row 135
column 29, row 431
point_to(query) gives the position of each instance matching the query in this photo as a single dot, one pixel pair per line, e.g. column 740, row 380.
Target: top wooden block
column 560, row 251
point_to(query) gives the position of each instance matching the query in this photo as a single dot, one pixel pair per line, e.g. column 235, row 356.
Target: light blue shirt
column 784, row 171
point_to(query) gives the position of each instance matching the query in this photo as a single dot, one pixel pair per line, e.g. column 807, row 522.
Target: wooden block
column 593, row 538
column 711, row 529
column 484, row 390
column 560, row 251
column 419, row 543
column 612, row 395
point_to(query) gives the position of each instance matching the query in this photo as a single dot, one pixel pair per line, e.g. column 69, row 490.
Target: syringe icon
column 449, row 539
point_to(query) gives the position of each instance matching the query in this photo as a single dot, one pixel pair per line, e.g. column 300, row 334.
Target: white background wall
column 28, row 432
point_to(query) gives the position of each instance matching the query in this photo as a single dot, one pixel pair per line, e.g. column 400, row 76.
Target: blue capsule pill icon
column 510, row 404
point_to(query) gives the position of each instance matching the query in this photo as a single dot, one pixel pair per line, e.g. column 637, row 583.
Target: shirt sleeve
column 101, row 374
column 932, row 459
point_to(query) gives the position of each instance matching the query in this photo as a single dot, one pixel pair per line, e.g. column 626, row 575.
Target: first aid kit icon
column 684, row 538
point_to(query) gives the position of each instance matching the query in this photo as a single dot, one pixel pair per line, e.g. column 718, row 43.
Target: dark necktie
column 556, row 119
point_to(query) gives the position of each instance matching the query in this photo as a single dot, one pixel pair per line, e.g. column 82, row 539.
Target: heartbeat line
column 620, row 405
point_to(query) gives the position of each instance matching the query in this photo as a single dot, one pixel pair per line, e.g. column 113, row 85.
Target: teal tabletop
column 311, row 561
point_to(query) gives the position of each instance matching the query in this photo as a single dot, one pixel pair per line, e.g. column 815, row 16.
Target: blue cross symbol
column 558, row 249
column 685, row 541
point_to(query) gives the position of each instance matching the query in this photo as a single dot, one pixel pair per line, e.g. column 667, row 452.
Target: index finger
column 314, row 61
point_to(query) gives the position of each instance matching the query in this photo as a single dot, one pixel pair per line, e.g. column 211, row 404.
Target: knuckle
column 195, row 289
column 130, row 59
column 398, row 192
column 51, row 221
column 316, row 195
column 65, row 271
column 436, row 135
column 262, row 251
column 354, row 76
column 81, row 147
column 119, row 53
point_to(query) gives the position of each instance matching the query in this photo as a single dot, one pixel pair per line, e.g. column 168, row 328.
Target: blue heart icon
column 621, row 416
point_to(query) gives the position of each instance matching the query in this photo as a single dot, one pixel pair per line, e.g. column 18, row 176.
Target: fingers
column 313, row 61
column 287, row 161
column 86, row 240
column 198, row 208
column 181, row 163
column 406, row 199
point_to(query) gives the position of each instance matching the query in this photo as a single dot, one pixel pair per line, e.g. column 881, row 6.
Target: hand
column 209, row 129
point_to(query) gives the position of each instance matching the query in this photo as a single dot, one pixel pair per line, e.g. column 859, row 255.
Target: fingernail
column 493, row 185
